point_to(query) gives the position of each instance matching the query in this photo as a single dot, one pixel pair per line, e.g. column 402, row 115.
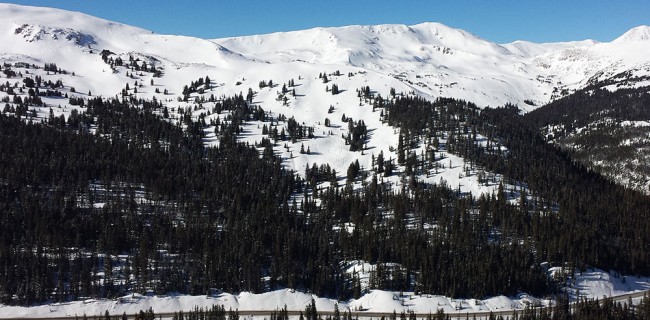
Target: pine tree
column 401, row 158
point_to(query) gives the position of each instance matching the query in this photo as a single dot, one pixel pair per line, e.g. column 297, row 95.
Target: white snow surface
column 593, row 283
column 640, row 33
column 598, row 284
column 380, row 57
column 430, row 59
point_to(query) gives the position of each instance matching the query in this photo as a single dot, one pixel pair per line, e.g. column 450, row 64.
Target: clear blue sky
column 498, row 21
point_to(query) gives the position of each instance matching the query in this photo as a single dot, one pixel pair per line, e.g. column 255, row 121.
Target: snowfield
column 589, row 284
column 429, row 59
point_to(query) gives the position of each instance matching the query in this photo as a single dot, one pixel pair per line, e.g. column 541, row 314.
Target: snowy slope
column 592, row 284
column 440, row 61
column 74, row 40
column 640, row 33
column 429, row 59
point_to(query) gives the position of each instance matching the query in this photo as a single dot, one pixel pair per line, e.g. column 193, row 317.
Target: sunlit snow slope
column 429, row 59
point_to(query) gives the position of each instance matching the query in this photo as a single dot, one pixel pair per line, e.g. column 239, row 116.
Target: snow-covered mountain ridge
column 429, row 58
column 339, row 107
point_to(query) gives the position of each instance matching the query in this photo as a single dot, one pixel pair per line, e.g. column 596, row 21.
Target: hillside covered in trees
column 605, row 131
column 118, row 199
column 334, row 162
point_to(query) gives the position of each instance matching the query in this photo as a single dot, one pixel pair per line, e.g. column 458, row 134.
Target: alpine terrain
column 372, row 168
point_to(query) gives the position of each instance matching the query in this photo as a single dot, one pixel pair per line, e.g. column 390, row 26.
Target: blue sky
column 498, row 21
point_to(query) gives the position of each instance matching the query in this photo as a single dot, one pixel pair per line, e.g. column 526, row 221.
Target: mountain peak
column 640, row 33
column 37, row 23
column 32, row 33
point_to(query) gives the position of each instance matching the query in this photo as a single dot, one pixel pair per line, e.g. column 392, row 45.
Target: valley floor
column 592, row 284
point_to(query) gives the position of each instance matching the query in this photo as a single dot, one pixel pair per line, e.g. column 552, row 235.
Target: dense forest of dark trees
column 119, row 190
column 590, row 105
column 603, row 130
column 597, row 223
column 52, row 174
